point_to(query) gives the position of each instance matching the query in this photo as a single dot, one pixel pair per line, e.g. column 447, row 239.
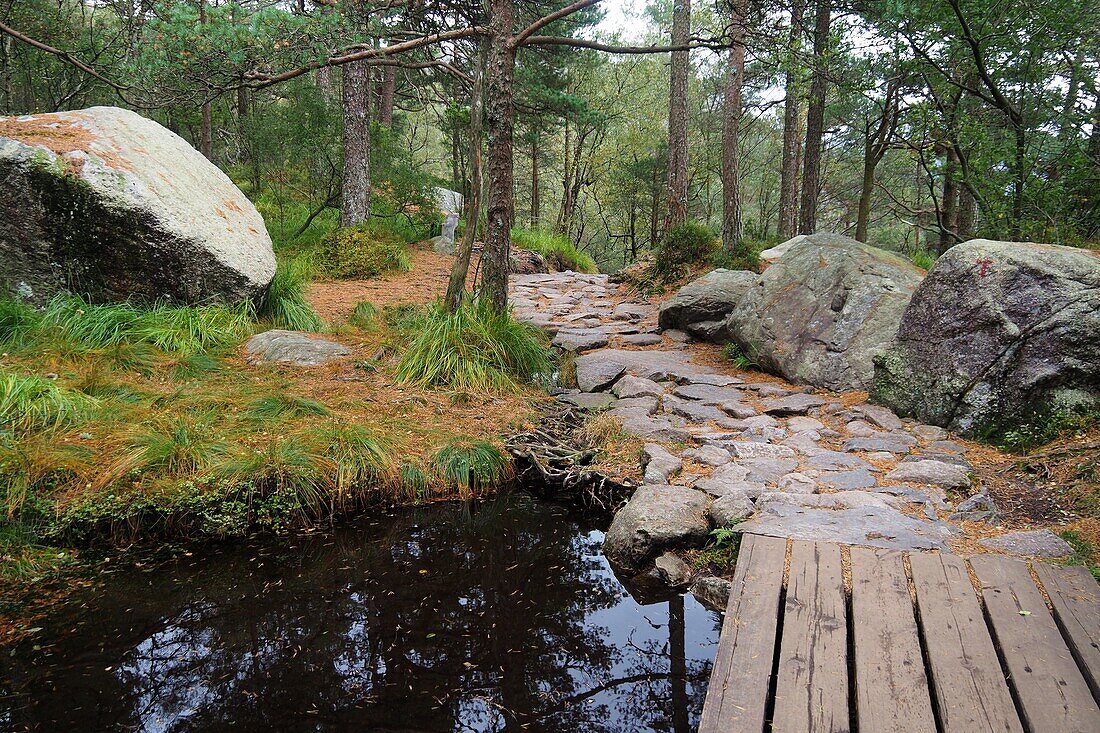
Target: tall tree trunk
column 1019, row 175
column 566, row 183
column 7, row 103
column 949, row 224
column 385, row 97
column 456, row 288
column 500, row 123
column 732, row 219
column 967, row 208
column 654, row 205
column 355, row 195
column 792, row 128
column 206, row 131
column 815, row 120
column 866, row 190
column 678, row 117
column 536, row 203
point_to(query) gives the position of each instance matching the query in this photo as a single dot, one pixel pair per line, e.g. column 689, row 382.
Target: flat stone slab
column 642, row 339
column 870, row 525
column 597, row 370
column 931, row 473
column 578, row 341
column 631, row 386
column 891, row 443
column 589, row 400
column 708, row 394
column 859, row 478
column 293, row 347
column 1035, row 543
column 795, row 404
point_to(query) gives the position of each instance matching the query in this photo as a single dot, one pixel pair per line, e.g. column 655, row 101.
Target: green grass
column 365, row 316
column 720, row 555
column 470, row 465
column 477, row 349
column 685, row 246
column 362, row 251
column 179, row 446
column 285, row 304
column 559, row 252
column 1083, row 551
column 30, row 402
column 283, row 406
column 173, row 329
column 1025, row 437
column 922, row 258
column 738, row 357
column 19, row 322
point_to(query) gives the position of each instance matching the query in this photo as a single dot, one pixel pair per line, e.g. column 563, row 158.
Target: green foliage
column 180, row 445
column 363, row 251
column 365, row 316
column 1083, row 551
column 285, row 304
column 360, row 457
column 284, row 406
column 922, row 258
column 1042, row 431
column 559, row 252
column 470, row 464
column 477, row 349
column 721, row 554
column 687, row 245
column 18, row 321
column 740, row 359
column 28, row 402
column 195, row 366
column 181, row 330
column 746, row 258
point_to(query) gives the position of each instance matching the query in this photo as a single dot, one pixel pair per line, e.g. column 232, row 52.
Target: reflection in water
column 500, row 618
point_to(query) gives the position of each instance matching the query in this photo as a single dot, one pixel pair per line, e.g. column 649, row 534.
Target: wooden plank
column 891, row 685
column 739, row 681
column 1053, row 694
column 969, row 688
column 1075, row 596
column 812, row 677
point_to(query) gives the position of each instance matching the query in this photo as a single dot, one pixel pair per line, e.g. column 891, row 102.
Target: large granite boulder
column 774, row 253
column 701, row 307
column 107, row 203
column 657, row 518
column 823, row 311
column 999, row 333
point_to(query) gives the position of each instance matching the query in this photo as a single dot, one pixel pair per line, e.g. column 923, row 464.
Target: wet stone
column 657, row 518
column 673, row 570
column 712, row 592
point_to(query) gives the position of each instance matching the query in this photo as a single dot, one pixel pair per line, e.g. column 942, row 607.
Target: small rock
column 659, row 465
column 891, row 443
column 835, row 459
column 805, row 444
column 759, row 450
column 635, row 406
column 642, row 339
column 595, row 374
column 797, row 483
column 654, row 428
column 589, row 400
column 694, row 411
column 712, row 592
column 631, row 386
column 656, row 518
column 1035, row 543
column 714, row 380
column 293, row 347
column 881, row 416
column 580, row 341
column 859, row 478
column 860, row 429
column 795, row 404
column 730, row 509
column 708, row 455
column 929, row 433
column 768, row 470
column 801, row 424
column 736, row 409
column 673, row 570
column 932, row 473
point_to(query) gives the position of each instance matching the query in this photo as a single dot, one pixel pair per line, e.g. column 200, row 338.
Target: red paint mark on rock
column 985, row 264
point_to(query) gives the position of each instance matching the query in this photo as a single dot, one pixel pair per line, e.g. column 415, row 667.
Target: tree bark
column 815, row 121
column 732, row 218
column 950, row 202
column 500, row 124
column 654, row 205
column 678, row 117
column 536, row 203
column 456, row 288
column 385, row 96
column 792, row 129
column 967, row 207
column 866, row 191
column 206, row 130
column 355, row 194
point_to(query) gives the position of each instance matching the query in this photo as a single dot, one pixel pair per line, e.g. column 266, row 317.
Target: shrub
column 558, row 251
column 686, row 245
column 747, row 257
column 285, row 304
column 476, row 349
column 362, row 251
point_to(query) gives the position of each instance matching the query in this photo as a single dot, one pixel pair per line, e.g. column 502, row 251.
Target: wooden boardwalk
column 822, row 638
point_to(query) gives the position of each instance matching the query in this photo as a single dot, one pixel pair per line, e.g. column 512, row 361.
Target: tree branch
column 518, row 39
column 597, row 46
column 64, row 56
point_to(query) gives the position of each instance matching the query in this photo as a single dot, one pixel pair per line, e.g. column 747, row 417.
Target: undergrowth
column 738, row 357
column 1058, row 424
column 362, row 251
column 477, row 349
column 559, row 252
column 285, row 305
column 685, row 246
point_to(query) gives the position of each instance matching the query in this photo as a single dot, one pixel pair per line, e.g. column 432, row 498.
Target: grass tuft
column 470, row 464
column 18, row 321
column 365, row 316
column 30, row 402
column 477, row 349
column 276, row 407
column 360, row 458
column 285, row 304
column 559, row 252
column 738, row 357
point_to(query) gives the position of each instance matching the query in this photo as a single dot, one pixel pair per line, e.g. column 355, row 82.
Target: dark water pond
column 498, row 617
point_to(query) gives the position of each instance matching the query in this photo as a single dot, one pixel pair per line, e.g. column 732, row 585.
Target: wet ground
column 498, row 617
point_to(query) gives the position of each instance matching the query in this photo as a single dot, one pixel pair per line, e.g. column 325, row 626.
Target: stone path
column 776, row 459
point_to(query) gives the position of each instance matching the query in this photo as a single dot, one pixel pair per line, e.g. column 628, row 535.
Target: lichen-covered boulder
column 701, row 306
column 657, row 518
column 107, row 203
column 998, row 334
column 823, row 310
